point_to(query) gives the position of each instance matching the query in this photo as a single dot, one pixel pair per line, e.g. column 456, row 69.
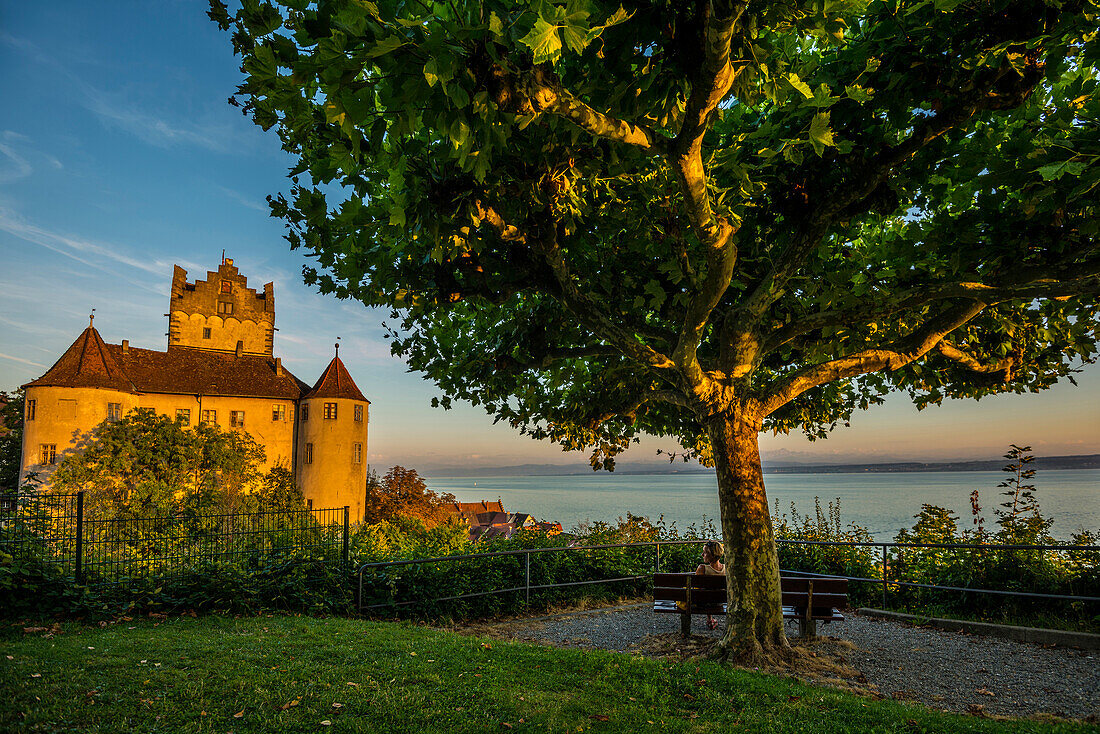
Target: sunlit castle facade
column 218, row 368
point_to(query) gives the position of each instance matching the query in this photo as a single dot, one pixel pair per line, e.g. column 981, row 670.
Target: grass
column 291, row 674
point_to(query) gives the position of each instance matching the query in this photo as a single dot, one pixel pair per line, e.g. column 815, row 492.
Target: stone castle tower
column 219, row 368
column 221, row 311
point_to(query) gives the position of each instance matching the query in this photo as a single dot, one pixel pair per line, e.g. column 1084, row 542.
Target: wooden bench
column 809, row 600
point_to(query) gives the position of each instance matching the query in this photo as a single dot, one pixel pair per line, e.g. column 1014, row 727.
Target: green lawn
column 284, row 674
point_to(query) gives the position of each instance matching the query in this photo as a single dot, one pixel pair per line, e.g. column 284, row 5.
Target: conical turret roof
column 336, row 382
column 87, row 363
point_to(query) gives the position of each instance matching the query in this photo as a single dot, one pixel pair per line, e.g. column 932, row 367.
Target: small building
column 218, row 368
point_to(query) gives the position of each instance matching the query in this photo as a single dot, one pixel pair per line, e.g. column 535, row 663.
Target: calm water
column 883, row 503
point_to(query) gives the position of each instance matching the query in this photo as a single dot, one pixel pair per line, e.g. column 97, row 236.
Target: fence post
column 79, row 562
column 347, row 526
column 884, row 576
column 527, row 576
column 657, row 563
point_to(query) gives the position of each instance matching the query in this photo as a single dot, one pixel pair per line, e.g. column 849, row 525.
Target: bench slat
column 799, row 599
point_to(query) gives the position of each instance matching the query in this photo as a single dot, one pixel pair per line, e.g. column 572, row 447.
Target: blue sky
column 119, row 157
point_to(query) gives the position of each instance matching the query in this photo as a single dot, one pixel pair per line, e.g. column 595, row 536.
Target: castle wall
column 65, row 416
column 333, row 478
column 218, row 312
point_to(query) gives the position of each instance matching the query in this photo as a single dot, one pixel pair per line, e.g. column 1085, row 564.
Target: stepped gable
column 183, row 370
column 336, row 382
column 89, row 362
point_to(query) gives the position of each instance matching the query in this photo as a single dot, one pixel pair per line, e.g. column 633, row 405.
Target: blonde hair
column 714, row 548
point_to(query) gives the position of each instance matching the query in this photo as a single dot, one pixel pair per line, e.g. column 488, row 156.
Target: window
column 303, row 412
column 227, row 286
column 210, row 416
column 278, row 412
column 330, row 411
column 183, row 415
column 30, row 409
column 359, row 413
column 358, row 453
column 48, row 454
column 224, row 307
column 206, row 332
column 114, row 412
column 236, row 418
column 309, row 454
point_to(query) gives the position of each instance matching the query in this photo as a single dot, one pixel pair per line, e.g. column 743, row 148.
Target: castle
column 218, row 368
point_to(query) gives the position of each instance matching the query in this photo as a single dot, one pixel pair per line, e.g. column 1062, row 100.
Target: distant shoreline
column 1045, row 463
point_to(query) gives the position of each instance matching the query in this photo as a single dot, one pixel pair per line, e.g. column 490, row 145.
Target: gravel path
column 946, row 670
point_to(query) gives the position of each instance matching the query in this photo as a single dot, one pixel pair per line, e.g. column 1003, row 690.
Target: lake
column 883, row 503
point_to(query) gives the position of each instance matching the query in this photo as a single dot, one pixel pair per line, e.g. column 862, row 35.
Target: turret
column 332, row 441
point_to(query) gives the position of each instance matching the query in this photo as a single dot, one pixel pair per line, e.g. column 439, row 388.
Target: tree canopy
column 147, row 464
column 695, row 219
column 403, row 493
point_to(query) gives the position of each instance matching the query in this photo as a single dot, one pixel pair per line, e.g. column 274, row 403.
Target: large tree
column 699, row 219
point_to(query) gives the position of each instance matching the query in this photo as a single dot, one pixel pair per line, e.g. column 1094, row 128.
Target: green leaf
column 495, row 26
column 800, row 85
column 858, row 93
column 431, row 75
column 1054, row 171
column 387, row 45
column 543, row 41
column 619, row 16
column 459, row 133
column 820, row 134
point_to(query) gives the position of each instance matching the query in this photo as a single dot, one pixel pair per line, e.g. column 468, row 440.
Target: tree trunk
column 754, row 622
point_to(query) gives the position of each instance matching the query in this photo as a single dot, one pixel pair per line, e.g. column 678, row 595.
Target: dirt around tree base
column 823, row 661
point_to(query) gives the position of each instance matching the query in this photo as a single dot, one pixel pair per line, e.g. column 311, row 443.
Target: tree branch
column 538, row 90
column 583, row 307
column 999, row 89
column 950, row 351
column 894, row 357
column 921, row 295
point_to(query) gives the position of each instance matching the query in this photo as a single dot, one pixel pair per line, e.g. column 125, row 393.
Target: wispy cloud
column 243, row 200
column 20, row 360
column 84, row 251
column 13, row 166
column 152, row 126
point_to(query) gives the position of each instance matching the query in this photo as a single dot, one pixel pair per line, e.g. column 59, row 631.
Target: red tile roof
column 336, row 382
column 89, row 362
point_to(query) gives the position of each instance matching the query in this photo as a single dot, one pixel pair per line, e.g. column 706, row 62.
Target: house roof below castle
column 90, row 362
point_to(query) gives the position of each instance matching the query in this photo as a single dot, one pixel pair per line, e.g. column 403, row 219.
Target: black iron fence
column 381, row 589
column 93, row 550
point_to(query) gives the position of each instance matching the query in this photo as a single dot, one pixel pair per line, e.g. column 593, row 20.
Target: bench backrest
column 710, row 591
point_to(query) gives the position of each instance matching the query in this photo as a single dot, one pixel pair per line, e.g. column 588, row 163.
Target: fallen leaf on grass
column 487, row 646
column 36, row 675
column 32, row 630
column 290, row 704
column 413, row 654
column 326, row 722
column 600, row 717
column 338, row 705
column 239, row 714
column 506, row 725
column 794, row 698
column 689, row 697
column 353, row 684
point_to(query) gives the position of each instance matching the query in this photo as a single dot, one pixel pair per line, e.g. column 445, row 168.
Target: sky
column 119, row 157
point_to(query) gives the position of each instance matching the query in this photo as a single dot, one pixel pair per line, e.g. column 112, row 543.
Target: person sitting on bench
column 712, row 566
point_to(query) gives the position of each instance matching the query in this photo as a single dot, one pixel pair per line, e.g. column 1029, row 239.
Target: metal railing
column 884, row 581
column 110, row 550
